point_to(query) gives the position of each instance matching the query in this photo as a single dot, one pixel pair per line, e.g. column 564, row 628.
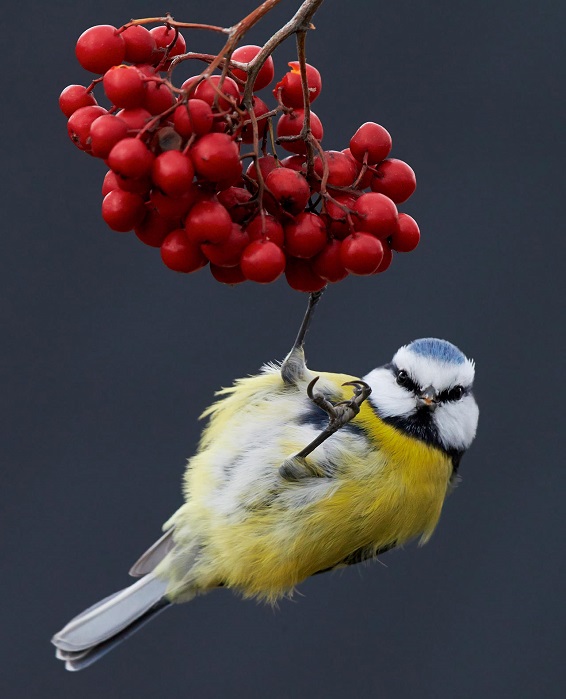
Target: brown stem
column 300, row 21
column 306, row 130
column 237, row 32
column 173, row 23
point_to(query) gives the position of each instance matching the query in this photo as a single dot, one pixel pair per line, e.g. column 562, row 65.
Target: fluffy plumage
column 243, row 526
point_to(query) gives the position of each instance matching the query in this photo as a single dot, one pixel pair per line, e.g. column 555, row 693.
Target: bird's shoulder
column 265, row 398
column 268, row 385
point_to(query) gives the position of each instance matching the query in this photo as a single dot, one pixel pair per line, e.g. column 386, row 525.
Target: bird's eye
column 455, row 393
column 403, row 379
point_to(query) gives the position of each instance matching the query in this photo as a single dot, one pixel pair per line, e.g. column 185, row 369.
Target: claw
column 311, row 386
column 361, row 392
column 320, row 400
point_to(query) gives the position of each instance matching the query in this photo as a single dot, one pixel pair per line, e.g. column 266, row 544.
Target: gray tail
column 105, row 625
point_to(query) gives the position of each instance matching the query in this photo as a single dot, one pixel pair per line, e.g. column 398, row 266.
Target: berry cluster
column 176, row 175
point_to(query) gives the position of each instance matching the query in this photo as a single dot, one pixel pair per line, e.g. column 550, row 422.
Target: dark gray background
column 109, row 358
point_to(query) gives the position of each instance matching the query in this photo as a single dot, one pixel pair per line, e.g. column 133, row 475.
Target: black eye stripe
column 404, row 380
column 451, row 395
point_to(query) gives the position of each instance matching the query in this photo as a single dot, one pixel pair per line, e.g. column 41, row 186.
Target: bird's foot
column 341, row 413
column 296, row 467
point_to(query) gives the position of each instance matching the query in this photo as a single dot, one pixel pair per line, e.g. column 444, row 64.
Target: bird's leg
column 294, row 366
column 339, row 414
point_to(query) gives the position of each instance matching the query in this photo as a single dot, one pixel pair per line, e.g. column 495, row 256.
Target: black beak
column 427, row 398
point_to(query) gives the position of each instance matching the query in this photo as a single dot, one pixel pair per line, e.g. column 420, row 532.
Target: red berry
column 219, row 124
column 175, row 208
column 124, row 86
column 122, row 211
column 259, row 108
column 216, row 157
column 266, row 227
column 366, row 177
column 109, row 183
column 140, row 44
column 172, row 172
column 74, row 97
column 105, row 132
column 387, row 258
column 267, row 163
column 153, row 229
column 131, row 158
column 376, row 214
column 228, row 253
column 190, row 84
column 136, row 186
column 245, row 54
column 361, row 253
column 341, row 169
column 236, row 200
column 147, row 70
column 328, row 263
column 297, row 163
column 301, row 276
column 292, row 125
column 373, row 139
column 407, row 235
column 395, row 179
column 158, row 97
column 78, row 126
column 338, row 222
column 193, row 117
column 306, row 236
column 136, row 118
column 227, row 275
column 180, row 254
column 164, row 37
column 262, row 261
column 211, row 92
column 289, row 188
column 99, row 48
column 291, row 86
column 208, row 222
column 114, row 181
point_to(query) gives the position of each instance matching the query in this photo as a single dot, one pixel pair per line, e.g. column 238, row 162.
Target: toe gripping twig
column 339, row 414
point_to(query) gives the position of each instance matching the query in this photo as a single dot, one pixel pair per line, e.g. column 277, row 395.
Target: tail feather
column 109, row 618
column 79, row 660
column 154, row 555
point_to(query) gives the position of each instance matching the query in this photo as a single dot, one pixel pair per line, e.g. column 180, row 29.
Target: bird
column 299, row 472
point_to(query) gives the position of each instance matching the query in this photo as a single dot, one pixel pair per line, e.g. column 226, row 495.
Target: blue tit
column 299, row 472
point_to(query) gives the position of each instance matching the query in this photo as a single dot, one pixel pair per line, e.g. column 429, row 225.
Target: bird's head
column 426, row 391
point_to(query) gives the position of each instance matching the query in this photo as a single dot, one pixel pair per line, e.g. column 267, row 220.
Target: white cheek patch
column 457, row 423
column 391, row 399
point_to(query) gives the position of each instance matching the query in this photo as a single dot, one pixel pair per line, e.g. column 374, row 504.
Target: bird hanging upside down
column 299, row 472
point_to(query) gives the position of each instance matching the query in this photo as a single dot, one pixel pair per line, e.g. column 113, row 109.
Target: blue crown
column 440, row 350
